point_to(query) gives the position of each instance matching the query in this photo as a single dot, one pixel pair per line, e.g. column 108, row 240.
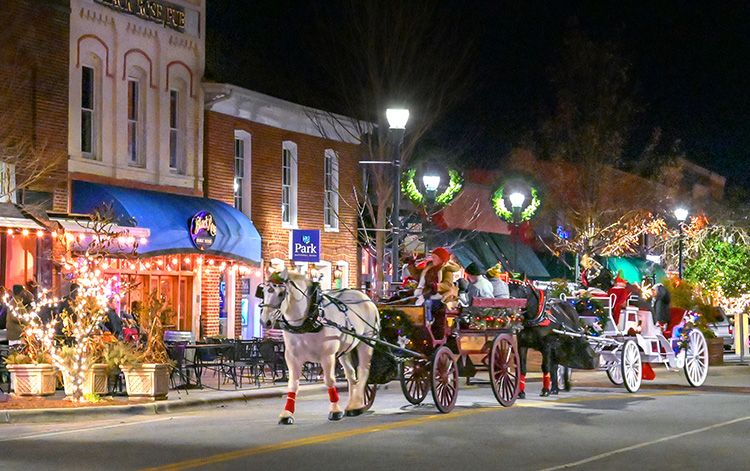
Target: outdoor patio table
column 220, row 363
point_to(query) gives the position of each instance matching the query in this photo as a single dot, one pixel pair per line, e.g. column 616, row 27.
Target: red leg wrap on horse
column 333, row 395
column 290, row 400
column 522, row 383
column 546, row 381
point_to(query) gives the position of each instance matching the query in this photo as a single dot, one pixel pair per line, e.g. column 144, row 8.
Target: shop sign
column 165, row 13
column 203, row 230
column 305, row 245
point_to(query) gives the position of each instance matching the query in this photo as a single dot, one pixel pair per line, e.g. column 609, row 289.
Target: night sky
column 690, row 63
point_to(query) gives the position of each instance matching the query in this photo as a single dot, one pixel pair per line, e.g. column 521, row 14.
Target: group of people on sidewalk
column 21, row 298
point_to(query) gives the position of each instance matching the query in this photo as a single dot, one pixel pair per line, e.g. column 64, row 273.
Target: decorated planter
column 95, row 383
column 147, row 380
column 33, row 379
column 715, row 351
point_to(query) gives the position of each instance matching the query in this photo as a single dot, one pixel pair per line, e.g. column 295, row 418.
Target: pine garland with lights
column 411, row 191
column 473, row 318
column 498, row 204
column 585, row 305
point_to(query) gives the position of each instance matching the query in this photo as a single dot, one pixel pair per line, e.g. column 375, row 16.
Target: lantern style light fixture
column 516, row 199
column 397, row 117
column 431, row 182
column 681, row 214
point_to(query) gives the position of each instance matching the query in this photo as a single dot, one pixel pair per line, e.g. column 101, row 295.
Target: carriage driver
column 479, row 286
column 436, row 287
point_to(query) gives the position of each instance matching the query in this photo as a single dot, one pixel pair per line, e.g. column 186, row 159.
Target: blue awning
column 168, row 218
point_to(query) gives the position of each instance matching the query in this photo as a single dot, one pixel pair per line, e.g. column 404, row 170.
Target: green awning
column 487, row 249
column 633, row 270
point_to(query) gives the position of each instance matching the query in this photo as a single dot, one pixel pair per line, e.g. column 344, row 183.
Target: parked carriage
column 627, row 339
column 432, row 357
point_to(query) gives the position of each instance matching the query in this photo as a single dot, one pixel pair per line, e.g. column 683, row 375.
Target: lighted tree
column 582, row 140
column 88, row 311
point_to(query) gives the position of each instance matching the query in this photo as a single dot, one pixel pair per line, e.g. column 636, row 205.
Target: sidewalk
column 177, row 401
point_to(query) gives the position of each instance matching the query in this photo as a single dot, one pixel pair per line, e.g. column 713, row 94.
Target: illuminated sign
column 165, row 13
column 203, row 230
column 305, row 246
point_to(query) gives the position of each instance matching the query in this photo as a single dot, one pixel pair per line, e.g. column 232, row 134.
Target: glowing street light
column 681, row 214
column 431, row 182
column 397, row 117
column 517, row 199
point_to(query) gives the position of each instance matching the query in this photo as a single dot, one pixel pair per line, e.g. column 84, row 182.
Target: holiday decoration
column 410, row 189
column 498, row 204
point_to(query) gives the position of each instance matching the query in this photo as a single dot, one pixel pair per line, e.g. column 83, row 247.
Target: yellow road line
column 330, row 437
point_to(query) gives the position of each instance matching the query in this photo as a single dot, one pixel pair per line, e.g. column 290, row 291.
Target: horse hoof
column 286, row 421
column 544, row 393
column 522, row 395
column 335, row 415
column 355, row 412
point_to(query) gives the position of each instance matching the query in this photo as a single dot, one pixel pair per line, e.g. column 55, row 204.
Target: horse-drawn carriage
column 433, row 356
column 626, row 338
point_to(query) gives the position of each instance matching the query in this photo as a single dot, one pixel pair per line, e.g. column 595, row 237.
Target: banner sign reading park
column 203, row 230
column 165, row 13
column 305, row 245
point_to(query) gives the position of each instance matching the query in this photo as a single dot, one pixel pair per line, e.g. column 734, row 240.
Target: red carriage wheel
column 370, row 391
column 444, row 379
column 414, row 376
column 505, row 369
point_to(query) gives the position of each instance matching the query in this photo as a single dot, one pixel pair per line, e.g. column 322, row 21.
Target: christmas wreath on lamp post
column 430, row 186
column 500, row 205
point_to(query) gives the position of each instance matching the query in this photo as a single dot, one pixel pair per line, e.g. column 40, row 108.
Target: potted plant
column 147, row 370
column 31, row 375
column 96, row 380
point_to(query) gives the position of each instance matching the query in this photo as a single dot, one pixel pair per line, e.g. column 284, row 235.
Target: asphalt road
column 588, row 428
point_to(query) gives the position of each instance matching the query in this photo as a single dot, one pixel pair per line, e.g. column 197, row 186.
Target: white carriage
column 624, row 346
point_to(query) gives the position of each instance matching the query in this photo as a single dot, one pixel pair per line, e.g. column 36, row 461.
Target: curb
column 14, row 416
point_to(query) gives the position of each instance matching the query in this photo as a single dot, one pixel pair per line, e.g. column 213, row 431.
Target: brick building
column 278, row 164
column 112, row 93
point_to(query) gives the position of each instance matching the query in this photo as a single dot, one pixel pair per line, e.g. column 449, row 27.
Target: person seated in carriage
column 479, row 286
column 436, row 290
column 499, row 287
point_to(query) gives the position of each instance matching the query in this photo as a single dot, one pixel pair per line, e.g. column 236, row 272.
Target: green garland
column 587, row 305
column 395, row 326
column 498, row 204
column 493, row 318
column 409, row 187
column 411, row 191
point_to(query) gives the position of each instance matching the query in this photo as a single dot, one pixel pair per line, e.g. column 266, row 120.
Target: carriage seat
column 676, row 314
column 648, row 328
column 519, row 303
column 621, row 296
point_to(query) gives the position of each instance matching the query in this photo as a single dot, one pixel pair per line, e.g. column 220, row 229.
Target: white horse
column 290, row 300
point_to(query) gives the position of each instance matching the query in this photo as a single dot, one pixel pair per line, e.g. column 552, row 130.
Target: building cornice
column 264, row 109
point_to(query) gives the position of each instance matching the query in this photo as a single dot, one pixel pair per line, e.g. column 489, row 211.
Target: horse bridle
column 310, row 324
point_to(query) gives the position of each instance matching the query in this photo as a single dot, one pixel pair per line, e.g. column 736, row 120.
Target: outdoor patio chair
column 177, row 355
column 247, row 357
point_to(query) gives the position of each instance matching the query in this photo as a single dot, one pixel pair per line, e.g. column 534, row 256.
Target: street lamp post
column 397, row 118
column 431, row 182
column 681, row 215
column 516, row 202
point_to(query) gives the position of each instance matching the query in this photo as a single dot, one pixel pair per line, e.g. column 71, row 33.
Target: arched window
column 331, row 190
column 136, row 115
column 242, row 169
column 177, row 122
column 289, row 184
column 90, row 107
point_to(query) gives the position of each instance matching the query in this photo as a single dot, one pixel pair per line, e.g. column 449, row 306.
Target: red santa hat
column 443, row 254
column 620, row 282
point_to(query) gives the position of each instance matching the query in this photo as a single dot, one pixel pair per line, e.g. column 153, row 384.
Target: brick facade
column 266, row 185
column 34, row 85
